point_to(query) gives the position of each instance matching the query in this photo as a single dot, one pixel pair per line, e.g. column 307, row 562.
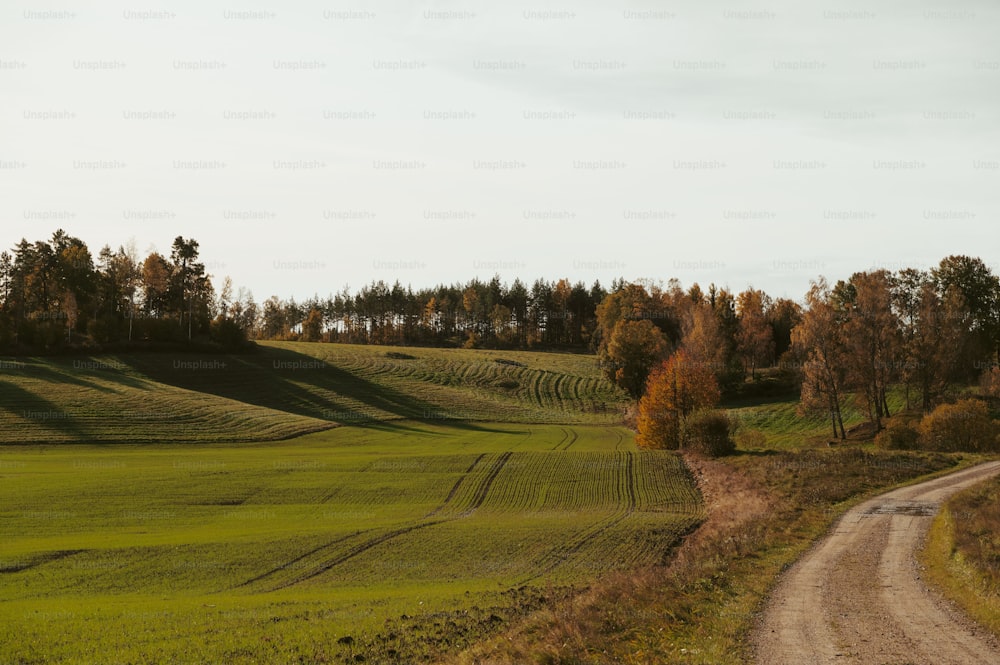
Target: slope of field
column 285, row 390
column 60, row 400
column 396, row 541
column 351, row 383
column 784, row 428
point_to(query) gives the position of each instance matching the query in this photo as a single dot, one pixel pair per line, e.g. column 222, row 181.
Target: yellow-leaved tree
column 675, row 390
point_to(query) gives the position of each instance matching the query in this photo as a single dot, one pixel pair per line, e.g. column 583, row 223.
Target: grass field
column 333, row 503
column 394, row 540
column 289, row 389
column 783, row 428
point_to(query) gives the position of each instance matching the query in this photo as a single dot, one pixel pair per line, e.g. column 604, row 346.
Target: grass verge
column 962, row 555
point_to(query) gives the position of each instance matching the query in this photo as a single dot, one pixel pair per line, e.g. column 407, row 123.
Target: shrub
column 708, row 432
column 989, row 383
column 897, row 435
column 228, row 334
column 965, row 426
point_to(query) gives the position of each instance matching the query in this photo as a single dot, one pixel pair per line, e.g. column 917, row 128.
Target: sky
column 309, row 146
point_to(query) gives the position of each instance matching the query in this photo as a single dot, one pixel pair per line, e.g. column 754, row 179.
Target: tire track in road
column 857, row 596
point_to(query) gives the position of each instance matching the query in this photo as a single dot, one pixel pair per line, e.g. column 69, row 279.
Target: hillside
column 288, row 389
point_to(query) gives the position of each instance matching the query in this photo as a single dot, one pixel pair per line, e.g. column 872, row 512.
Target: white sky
column 829, row 137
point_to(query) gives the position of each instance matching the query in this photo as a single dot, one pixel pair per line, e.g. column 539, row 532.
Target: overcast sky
column 311, row 145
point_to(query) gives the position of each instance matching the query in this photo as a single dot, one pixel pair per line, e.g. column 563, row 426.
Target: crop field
column 290, row 389
column 394, row 541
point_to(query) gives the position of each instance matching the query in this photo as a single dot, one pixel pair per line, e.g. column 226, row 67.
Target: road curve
column 857, row 597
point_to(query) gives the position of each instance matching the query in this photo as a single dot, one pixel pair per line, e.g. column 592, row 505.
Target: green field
column 289, row 389
column 412, row 506
column 784, row 428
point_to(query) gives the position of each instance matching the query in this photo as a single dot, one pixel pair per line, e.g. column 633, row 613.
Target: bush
column 897, row 435
column 965, row 426
column 228, row 334
column 708, row 432
column 989, row 383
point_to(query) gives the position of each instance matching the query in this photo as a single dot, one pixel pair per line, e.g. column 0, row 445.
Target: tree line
column 927, row 330
column 54, row 293
column 478, row 313
column 924, row 329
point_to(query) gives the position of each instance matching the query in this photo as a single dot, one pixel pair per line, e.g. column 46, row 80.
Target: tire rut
column 573, row 436
column 319, row 568
column 454, row 488
column 354, row 552
column 480, row 496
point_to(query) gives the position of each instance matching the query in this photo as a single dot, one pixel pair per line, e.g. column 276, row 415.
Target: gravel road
column 857, row 596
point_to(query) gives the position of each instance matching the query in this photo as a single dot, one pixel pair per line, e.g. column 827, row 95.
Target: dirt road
column 857, row 596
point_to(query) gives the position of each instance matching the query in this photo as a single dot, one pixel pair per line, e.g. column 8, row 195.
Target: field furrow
column 454, row 488
column 484, row 488
column 354, row 551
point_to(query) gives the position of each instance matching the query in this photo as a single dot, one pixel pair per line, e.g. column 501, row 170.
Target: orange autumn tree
column 675, row 390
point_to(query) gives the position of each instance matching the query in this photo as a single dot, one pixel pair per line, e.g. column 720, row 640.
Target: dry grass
column 963, row 552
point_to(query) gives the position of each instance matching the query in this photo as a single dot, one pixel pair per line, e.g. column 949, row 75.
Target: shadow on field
column 79, row 370
column 28, row 405
column 303, row 385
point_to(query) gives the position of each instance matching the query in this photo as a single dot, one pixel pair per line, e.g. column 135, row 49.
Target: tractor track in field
column 630, row 482
column 536, row 385
column 564, row 552
column 43, row 559
column 480, row 496
column 557, row 398
column 319, row 568
column 355, row 551
column 454, row 488
column 565, row 435
column 573, row 436
column 294, row 561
